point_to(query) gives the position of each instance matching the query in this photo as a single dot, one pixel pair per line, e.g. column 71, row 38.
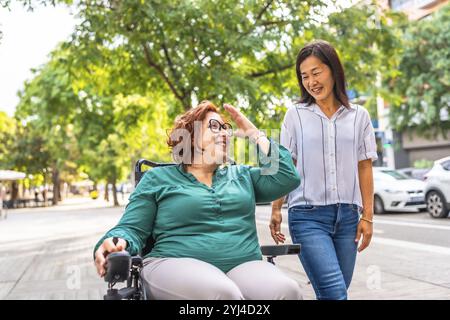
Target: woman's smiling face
column 214, row 141
column 317, row 78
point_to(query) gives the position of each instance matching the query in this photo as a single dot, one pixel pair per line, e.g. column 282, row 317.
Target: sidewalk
column 46, row 253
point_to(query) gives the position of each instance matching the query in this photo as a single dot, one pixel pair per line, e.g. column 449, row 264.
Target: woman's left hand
column 365, row 229
column 245, row 126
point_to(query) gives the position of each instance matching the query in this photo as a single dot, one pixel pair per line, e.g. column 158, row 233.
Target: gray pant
column 192, row 279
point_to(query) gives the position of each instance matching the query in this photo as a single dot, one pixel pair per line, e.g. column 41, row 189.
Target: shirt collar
column 220, row 171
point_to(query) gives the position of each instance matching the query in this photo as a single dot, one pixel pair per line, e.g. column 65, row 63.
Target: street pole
column 384, row 127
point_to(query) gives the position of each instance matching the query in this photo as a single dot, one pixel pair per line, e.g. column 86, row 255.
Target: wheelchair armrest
column 280, row 250
column 118, row 266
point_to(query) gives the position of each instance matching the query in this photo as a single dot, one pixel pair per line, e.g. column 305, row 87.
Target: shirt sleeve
column 367, row 148
column 276, row 174
column 288, row 137
column 136, row 224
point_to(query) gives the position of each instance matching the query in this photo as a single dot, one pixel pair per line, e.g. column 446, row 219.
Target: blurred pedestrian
column 3, row 212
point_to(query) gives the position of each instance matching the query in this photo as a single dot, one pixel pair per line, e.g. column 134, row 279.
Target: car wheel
column 436, row 205
column 378, row 205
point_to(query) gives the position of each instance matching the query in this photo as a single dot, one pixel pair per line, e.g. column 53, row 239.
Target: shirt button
column 332, row 154
column 332, row 172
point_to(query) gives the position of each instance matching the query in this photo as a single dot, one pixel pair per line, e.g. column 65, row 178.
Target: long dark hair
column 328, row 55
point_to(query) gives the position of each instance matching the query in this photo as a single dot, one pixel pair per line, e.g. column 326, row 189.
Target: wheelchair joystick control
column 118, row 267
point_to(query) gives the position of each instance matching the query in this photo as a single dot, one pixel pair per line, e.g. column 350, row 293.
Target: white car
column 437, row 188
column 395, row 191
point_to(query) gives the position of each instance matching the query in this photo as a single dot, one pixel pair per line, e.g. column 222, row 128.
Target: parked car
column 437, row 188
column 395, row 191
column 415, row 173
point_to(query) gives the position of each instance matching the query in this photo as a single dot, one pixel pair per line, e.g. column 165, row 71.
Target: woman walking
column 333, row 145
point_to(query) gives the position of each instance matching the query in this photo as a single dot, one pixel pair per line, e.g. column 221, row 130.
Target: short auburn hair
column 186, row 121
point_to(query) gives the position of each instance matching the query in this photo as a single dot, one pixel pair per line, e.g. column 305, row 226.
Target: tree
column 80, row 120
column 115, row 125
column 7, row 133
column 107, row 96
column 237, row 51
column 217, row 50
column 48, row 104
column 29, row 153
column 424, row 82
column 368, row 40
column 130, row 128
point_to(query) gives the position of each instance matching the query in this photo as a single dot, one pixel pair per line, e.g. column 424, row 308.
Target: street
column 46, row 253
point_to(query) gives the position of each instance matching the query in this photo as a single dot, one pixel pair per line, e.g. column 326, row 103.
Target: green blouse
column 214, row 224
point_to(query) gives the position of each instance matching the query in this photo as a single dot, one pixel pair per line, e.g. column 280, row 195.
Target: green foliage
column 29, row 152
column 423, row 164
column 241, row 52
column 197, row 50
column 45, row 110
column 424, row 83
column 79, row 121
column 7, row 132
column 108, row 95
column 367, row 39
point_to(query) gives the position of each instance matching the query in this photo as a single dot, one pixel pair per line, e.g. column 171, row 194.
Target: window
column 446, row 165
column 396, row 174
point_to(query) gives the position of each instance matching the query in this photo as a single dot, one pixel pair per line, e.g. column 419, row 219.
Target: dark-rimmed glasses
column 215, row 126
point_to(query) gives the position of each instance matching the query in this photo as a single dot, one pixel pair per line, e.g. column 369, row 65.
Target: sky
column 28, row 38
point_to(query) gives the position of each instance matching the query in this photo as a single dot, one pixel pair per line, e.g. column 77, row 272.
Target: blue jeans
column 328, row 249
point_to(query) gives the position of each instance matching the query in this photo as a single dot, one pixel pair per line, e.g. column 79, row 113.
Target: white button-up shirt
column 327, row 152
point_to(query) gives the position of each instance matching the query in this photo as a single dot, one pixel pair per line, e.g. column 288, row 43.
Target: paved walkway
column 46, row 253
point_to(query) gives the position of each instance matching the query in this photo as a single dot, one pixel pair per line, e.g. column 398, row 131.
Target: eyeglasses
column 215, row 126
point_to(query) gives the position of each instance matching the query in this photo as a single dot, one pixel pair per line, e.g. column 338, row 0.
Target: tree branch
column 250, row 30
column 277, row 23
column 169, row 61
column 258, row 17
column 158, row 68
column 270, row 71
column 171, row 65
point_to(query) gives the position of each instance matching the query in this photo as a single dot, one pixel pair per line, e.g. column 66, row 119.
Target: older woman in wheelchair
column 200, row 215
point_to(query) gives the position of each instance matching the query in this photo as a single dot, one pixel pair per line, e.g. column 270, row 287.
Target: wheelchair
column 122, row 267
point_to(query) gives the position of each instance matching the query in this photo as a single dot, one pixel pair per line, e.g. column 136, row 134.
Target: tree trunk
column 24, row 189
column 60, row 189
column 55, row 181
column 114, row 189
column 107, row 192
column 44, row 192
column 14, row 191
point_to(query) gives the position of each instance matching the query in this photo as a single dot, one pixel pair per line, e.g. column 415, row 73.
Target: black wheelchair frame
column 121, row 266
